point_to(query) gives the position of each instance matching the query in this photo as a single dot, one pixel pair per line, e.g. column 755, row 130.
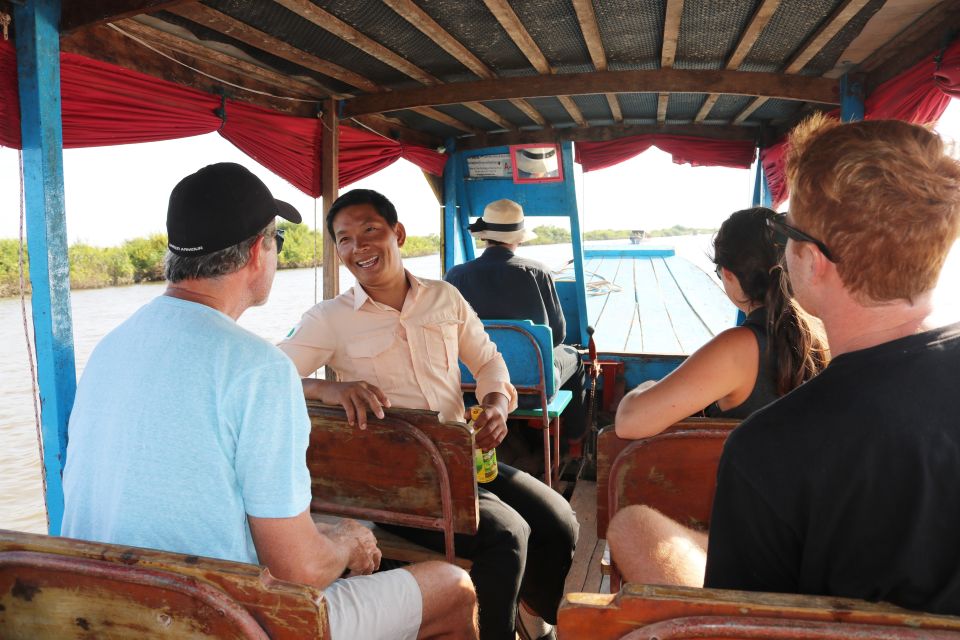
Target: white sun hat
column 539, row 161
column 502, row 221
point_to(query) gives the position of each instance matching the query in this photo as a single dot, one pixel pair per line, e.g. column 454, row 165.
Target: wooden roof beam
column 591, row 36
column 773, row 85
column 821, row 37
column 109, row 45
column 243, row 32
column 89, row 13
column 511, row 23
column 671, row 35
column 748, row 38
column 420, row 19
column 291, row 87
column 334, row 25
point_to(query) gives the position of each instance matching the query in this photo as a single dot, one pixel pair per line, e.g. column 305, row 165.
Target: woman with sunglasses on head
column 737, row 372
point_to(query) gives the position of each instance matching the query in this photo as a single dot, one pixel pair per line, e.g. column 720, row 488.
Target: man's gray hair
column 212, row 265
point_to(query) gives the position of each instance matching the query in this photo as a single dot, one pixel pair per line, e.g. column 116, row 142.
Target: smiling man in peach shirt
column 394, row 340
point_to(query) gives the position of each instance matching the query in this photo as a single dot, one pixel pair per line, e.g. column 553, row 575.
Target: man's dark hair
column 352, row 198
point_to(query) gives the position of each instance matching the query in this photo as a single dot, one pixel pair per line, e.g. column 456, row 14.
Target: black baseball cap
column 219, row 206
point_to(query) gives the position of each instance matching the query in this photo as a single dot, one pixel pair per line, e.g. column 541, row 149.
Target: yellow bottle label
column 484, row 461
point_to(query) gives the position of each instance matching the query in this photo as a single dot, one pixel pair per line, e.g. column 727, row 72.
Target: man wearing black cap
column 189, row 434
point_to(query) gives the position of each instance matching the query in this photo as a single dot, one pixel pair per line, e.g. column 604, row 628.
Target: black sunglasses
column 782, row 231
column 279, row 238
column 719, row 271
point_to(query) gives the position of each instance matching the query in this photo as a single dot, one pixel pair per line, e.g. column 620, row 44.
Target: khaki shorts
column 382, row 606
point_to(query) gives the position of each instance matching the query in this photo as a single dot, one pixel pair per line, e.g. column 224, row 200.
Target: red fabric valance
column 103, row 104
column 697, row 152
column 919, row 95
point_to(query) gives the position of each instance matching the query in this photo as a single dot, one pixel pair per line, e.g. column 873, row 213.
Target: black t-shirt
column 850, row 484
column 500, row 285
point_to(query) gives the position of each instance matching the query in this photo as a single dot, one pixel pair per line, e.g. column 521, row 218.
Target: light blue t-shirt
column 183, row 424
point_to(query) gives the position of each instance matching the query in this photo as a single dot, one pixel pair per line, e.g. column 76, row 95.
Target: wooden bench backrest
column 394, row 470
column 674, row 472
column 590, row 616
column 63, row 588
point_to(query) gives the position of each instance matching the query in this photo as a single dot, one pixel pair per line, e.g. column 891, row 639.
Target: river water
column 96, row 312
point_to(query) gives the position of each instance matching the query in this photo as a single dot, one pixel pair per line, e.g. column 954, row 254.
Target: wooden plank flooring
column 657, row 304
column 584, row 575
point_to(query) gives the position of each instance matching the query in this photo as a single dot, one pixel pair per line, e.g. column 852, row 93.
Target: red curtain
column 697, row 152
column 919, row 95
column 103, row 104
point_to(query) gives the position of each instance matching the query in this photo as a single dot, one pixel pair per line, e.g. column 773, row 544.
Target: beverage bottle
column 484, row 461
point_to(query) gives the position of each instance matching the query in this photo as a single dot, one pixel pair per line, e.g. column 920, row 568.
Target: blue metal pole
column 451, row 177
column 851, row 99
column 38, row 72
column 576, row 237
column 761, row 190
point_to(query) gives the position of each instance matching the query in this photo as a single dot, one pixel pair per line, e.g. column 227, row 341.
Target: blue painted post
column 761, row 191
column 576, row 237
column 451, row 177
column 38, row 72
column 851, row 99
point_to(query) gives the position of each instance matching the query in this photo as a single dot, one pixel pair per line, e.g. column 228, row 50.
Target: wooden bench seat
column 408, row 469
column 62, row 588
column 674, row 472
column 648, row 611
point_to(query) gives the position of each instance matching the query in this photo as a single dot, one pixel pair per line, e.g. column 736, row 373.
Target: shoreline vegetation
column 141, row 259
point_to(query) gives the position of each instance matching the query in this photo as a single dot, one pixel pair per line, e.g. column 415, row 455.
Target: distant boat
column 637, row 235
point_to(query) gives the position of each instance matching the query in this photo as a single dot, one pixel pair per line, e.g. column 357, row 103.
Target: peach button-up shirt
column 411, row 354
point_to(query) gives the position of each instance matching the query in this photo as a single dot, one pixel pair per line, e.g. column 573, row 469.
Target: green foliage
column 93, row 267
column 548, row 234
column 10, row 268
column 298, row 246
column 420, row 246
column 677, row 230
column 607, row 234
column 146, row 256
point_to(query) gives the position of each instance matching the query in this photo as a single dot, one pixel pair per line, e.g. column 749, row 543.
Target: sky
column 120, row 192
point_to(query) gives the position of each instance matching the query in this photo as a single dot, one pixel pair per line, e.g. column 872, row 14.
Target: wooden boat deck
column 646, row 303
column 584, row 575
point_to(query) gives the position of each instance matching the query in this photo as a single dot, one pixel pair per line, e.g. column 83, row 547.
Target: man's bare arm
column 356, row 398
column 294, row 549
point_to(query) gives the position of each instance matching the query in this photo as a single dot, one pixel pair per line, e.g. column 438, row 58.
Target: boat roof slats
column 684, row 106
column 729, row 106
column 830, row 54
column 793, row 23
column 638, row 106
column 468, row 116
column 470, row 22
column 383, row 25
column 510, row 111
column 552, row 110
column 386, row 55
column 631, row 31
column 554, row 27
column 594, row 108
column 420, row 122
column 776, row 110
column 710, row 31
column 302, row 34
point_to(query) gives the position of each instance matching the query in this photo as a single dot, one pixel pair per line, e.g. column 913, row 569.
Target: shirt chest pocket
column 367, row 353
column 442, row 343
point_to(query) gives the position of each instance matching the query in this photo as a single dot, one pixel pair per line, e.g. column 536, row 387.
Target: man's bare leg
column 650, row 548
column 449, row 601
